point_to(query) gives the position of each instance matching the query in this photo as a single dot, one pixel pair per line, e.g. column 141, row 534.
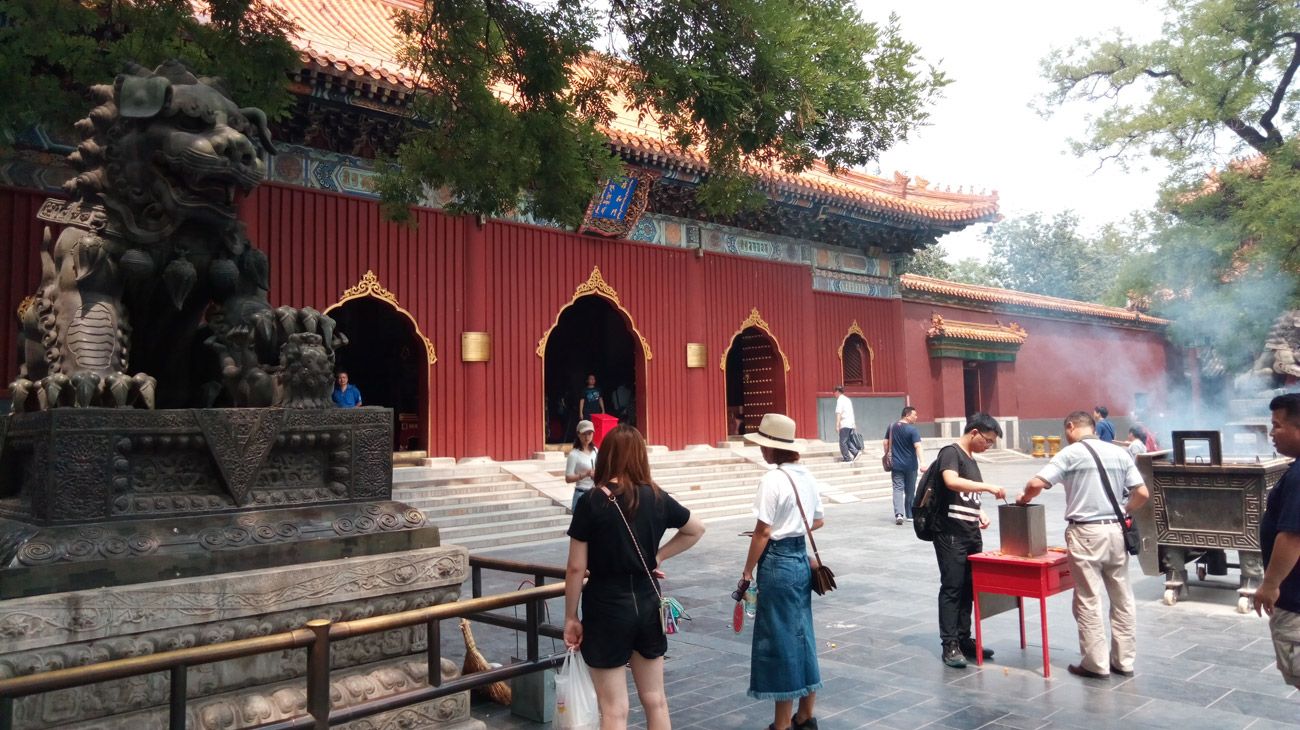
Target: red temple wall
column 878, row 319
column 20, row 240
column 512, row 280
column 1064, row 365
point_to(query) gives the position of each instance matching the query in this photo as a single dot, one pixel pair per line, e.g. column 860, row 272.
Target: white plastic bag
column 575, row 696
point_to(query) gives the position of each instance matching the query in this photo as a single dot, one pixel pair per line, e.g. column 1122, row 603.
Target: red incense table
column 1010, row 575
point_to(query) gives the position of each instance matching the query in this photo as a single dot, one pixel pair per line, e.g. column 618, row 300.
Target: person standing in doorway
column 1279, row 539
column 581, row 463
column 1094, row 541
column 905, row 460
column 846, row 425
column 957, row 534
column 592, row 402
column 345, row 395
column 1105, row 430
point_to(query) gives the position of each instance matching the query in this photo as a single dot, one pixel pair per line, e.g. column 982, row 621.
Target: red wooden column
column 697, row 379
column 476, row 320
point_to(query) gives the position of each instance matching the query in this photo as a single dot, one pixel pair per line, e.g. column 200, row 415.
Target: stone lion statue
column 1279, row 364
column 151, row 294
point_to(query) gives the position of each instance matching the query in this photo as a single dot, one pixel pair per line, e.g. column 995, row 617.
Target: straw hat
column 776, row 431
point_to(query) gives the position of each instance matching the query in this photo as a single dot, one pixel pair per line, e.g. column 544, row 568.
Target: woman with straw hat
column 783, row 661
column 615, row 535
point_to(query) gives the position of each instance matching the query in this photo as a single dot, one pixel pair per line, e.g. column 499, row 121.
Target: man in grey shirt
column 1094, row 540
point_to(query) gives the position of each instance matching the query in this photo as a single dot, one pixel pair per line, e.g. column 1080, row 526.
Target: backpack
column 925, row 505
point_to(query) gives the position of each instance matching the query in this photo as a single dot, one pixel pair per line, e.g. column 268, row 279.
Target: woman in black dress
column 615, row 535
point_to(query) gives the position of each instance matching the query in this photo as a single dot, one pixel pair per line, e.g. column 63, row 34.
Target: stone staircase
column 491, row 505
column 480, row 506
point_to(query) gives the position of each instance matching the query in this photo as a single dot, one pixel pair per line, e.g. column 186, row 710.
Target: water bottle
column 751, row 601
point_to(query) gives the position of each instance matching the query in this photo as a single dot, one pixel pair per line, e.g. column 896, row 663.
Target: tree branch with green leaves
column 514, row 98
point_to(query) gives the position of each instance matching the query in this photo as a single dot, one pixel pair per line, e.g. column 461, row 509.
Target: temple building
column 480, row 334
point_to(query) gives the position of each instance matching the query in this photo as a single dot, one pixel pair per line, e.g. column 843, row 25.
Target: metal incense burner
column 1202, row 506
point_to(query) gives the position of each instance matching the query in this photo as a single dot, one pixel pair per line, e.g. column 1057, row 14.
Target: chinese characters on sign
column 613, row 203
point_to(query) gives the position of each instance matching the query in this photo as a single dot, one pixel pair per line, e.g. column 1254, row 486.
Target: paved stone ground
column 1199, row 665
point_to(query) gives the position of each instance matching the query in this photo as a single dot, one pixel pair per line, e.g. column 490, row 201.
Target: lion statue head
column 164, row 147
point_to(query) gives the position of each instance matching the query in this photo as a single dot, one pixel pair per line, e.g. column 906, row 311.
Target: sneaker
column 854, row 460
column 952, row 656
column 968, row 650
column 898, row 519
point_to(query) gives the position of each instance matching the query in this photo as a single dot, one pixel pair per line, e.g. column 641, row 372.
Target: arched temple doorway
column 591, row 337
column 387, row 358
column 755, row 373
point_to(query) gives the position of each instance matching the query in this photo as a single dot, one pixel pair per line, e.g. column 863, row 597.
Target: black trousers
column 955, row 589
column 848, row 444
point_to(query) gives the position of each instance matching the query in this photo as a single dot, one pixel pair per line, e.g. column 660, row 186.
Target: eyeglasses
column 987, row 439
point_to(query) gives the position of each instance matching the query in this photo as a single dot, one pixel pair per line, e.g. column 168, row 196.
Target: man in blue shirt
column 905, row 461
column 1279, row 540
column 1105, row 431
column 346, row 396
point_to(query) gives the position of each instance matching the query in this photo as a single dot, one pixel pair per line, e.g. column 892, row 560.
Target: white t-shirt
column 844, row 409
column 775, row 505
column 1085, row 497
column 1136, row 447
column 581, row 461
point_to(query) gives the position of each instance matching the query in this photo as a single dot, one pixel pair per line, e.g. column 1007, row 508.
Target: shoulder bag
column 1132, row 541
column 823, row 579
column 887, row 460
column 670, row 610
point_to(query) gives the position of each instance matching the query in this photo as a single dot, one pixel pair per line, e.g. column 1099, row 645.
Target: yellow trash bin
column 1053, row 445
column 1040, row 448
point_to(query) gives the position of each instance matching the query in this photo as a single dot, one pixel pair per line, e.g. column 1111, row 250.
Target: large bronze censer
column 1202, row 506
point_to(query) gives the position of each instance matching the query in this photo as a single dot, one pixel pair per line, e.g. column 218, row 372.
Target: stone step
column 507, row 531
column 421, row 490
column 463, row 473
column 486, row 521
column 514, row 538
column 433, row 510
column 708, row 478
column 514, row 495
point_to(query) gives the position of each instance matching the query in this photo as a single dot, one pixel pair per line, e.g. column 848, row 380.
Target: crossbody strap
column 802, row 514
column 635, row 544
column 1105, row 482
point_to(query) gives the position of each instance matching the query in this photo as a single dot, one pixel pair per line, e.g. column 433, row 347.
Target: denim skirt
column 783, row 661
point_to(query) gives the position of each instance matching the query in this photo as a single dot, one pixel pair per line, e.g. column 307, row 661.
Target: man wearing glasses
column 959, row 519
column 1094, row 541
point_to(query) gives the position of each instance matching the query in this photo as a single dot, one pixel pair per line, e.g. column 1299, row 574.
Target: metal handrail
column 317, row 637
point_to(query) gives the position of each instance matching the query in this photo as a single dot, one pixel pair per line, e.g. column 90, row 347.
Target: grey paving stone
column 879, row 648
column 1254, row 704
column 1169, row 714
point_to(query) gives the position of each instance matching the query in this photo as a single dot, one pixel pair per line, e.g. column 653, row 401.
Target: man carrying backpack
column 958, row 520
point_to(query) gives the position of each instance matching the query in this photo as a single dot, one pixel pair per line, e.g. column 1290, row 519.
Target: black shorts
column 620, row 616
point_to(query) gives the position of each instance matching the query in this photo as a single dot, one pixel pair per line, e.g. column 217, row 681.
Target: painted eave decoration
column 353, row 45
column 974, row 340
column 924, row 288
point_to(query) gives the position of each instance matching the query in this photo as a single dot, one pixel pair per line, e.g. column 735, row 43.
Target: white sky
column 983, row 133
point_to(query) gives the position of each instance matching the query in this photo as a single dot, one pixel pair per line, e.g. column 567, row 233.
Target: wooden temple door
column 762, row 374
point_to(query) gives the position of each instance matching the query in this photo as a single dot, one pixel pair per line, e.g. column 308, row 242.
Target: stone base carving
column 92, row 465
column 73, row 629
column 94, row 497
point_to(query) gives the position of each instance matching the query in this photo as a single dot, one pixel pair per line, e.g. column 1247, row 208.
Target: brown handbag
column 823, row 578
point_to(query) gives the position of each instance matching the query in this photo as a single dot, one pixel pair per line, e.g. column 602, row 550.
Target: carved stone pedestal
column 69, row 629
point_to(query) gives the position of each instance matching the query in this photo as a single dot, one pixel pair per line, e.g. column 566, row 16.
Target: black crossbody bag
column 1132, row 541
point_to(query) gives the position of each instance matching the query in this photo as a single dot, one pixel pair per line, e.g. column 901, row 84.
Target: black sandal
column 809, row 724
